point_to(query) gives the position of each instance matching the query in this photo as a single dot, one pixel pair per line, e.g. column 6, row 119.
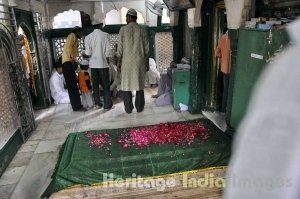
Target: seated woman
column 57, row 88
column 165, row 94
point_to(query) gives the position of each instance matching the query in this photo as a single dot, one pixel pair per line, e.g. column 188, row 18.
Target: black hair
column 84, row 67
column 77, row 29
column 58, row 63
column 133, row 17
column 98, row 26
column 225, row 30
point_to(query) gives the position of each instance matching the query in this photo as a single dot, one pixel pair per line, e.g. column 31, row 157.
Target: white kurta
column 153, row 74
column 133, row 48
column 98, row 48
column 58, row 92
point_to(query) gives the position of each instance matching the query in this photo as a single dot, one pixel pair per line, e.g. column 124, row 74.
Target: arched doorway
column 34, row 74
column 19, row 108
column 27, row 60
column 219, row 23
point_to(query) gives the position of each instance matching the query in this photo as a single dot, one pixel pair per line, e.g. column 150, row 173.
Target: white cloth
column 153, row 75
column 58, row 92
column 87, row 100
column 266, row 154
column 115, row 77
column 98, row 48
column 183, row 66
column 27, row 70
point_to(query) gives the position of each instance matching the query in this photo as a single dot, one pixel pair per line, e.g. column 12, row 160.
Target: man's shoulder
column 134, row 26
column 89, row 35
column 142, row 28
column 100, row 32
column 105, row 33
column 123, row 27
column 53, row 75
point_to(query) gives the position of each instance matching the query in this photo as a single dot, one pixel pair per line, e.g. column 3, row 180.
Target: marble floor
column 30, row 172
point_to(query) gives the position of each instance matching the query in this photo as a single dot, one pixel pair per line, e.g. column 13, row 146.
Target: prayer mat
column 95, row 157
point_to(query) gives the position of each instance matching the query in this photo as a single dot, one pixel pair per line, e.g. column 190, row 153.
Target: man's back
column 134, row 45
column 97, row 46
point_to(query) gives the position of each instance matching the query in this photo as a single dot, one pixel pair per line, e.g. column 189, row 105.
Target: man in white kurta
column 97, row 50
column 57, row 89
column 133, row 60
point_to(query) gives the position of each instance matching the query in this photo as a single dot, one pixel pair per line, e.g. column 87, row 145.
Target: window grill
column 164, row 50
column 58, row 45
column 113, row 39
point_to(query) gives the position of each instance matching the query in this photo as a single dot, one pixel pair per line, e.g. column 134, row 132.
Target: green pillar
column 233, row 36
column 26, row 21
column 178, row 32
column 152, row 43
column 159, row 20
column 196, row 83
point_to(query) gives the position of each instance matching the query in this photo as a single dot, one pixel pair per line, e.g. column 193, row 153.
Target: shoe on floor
column 81, row 110
column 97, row 107
column 107, row 109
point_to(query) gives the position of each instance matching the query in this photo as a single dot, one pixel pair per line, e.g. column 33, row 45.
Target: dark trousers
column 139, row 101
column 71, row 82
column 101, row 76
column 225, row 91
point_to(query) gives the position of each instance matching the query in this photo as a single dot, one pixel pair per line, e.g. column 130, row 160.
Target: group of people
column 126, row 68
column 265, row 159
column 132, row 63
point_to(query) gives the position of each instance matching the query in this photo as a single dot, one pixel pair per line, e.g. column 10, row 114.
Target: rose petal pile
column 99, row 140
column 177, row 133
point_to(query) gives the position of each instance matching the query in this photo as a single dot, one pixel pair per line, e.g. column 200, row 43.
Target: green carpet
column 79, row 163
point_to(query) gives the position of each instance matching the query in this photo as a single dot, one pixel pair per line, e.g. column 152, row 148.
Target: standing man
column 97, row 49
column 70, row 64
column 223, row 52
column 133, row 60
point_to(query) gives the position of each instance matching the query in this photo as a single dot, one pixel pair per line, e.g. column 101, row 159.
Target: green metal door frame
column 202, row 47
column 25, row 20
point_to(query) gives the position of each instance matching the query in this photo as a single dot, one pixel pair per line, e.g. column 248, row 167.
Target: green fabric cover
column 81, row 164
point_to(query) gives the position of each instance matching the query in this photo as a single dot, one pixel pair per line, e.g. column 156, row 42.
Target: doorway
column 216, row 80
column 29, row 54
column 18, row 94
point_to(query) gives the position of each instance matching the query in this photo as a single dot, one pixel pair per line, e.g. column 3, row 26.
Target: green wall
column 9, row 150
column 252, row 44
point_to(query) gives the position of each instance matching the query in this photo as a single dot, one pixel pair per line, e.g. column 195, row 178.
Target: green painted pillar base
column 9, row 150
